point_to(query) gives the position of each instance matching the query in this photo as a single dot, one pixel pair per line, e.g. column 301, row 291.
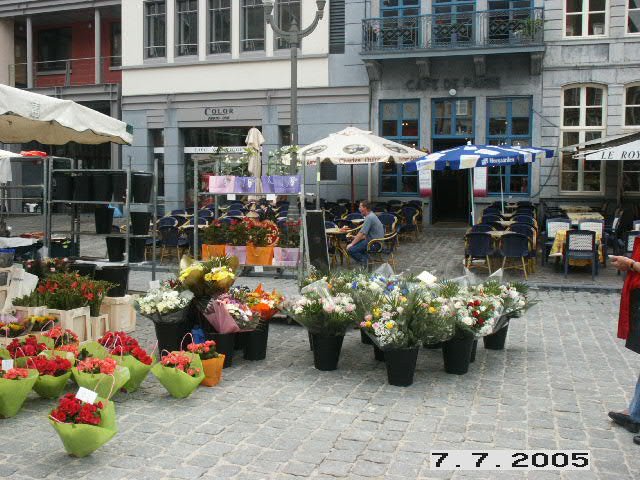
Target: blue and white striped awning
column 471, row 156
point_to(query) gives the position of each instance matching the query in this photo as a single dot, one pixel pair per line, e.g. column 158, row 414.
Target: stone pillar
column 7, row 57
column 97, row 32
column 29, row 53
column 174, row 187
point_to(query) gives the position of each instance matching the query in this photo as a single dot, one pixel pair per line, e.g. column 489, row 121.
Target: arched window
column 584, row 110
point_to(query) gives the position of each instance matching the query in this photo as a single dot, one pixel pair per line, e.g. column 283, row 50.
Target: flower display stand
column 99, row 326
column 122, row 315
column 24, row 312
column 77, row 320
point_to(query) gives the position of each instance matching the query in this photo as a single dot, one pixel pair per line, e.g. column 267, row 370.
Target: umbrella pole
column 501, row 192
column 318, row 186
column 353, row 191
column 473, row 211
column 368, row 182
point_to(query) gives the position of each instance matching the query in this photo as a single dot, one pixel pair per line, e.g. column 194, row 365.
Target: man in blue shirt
column 371, row 229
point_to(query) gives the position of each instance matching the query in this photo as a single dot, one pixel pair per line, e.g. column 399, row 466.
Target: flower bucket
column 119, row 186
column 224, row 345
column 171, row 330
column 474, row 349
column 85, row 269
column 401, row 365
column 140, row 223
column 138, row 371
column 212, row 370
column 80, row 440
column 141, row 186
column 364, row 338
column 259, row 255
column 326, row 351
column 103, row 219
column 456, row 354
column 212, row 251
column 255, row 347
column 102, row 383
column 239, row 252
column 496, row 340
column 82, row 187
column 378, row 353
column 48, row 386
column 115, row 248
column 118, row 274
column 286, row 257
column 101, row 187
column 13, row 393
column 62, row 186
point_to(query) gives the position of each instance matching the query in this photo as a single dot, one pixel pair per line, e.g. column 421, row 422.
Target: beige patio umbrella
column 255, row 140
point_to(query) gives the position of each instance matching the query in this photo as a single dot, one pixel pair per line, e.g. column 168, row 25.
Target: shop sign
column 424, row 179
column 420, row 84
column 219, row 113
column 480, row 182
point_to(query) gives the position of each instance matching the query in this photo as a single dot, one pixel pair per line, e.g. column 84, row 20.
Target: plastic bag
column 219, row 318
column 138, row 371
column 81, row 440
column 48, row 386
column 105, row 385
column 179, row 384
column 13, row 393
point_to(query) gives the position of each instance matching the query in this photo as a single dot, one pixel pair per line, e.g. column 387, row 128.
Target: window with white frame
column 287, row 11
column 586, row 18
column 252, row 33
column 219, row 26
column 632, row 106
column 186, row 27
column 583, row 113
column 633, row 16
column 155, row 23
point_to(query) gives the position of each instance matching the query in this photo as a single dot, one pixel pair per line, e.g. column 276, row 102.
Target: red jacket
column 628, row 324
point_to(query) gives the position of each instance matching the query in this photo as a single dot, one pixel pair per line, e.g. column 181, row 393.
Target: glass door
column 400, row 23
column 453, row 22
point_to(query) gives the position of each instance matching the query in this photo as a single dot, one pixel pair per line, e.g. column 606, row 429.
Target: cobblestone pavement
column 282, row 419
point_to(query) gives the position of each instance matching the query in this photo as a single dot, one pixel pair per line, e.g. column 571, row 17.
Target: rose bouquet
column 240, row 312
column 54, row 372
column 15, row 385
column 212, row 361
column 102, row 375
column 180, row 373
column 83, row 427
column 127, row 352
column 22, row 350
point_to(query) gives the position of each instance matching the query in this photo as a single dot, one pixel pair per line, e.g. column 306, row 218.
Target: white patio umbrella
column 619, row 153
column 353, row 146
column 255, row 140
column 27, row 116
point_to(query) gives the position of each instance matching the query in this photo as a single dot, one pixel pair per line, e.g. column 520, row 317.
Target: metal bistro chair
column 354, row 216
column 478, row 246
column 409, row 224
column 548, row 237
column 491, row 211
column 630, row 238
column 188, row 231
column 482, row 228
column 596, row 226
column 581, row 245
column 530, row 232
column 490, row 219
column 524, row 219
column 389, row 222
column 168, row 222
column 206, row 213
column 379, row 248
column 515, row 245
column 170, row 238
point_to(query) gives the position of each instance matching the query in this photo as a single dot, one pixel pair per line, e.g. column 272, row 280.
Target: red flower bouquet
column 97, row 365
column 181, row 362
column 60, row 336
column 83, row 427
column 14, row 374
column 180, row 373
column 15, row 385
column 29, row 347
column 127, row 352
column 54, row 373
column 102, row 375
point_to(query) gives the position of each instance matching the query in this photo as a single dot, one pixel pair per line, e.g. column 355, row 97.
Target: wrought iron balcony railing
column 66, row 72
column 517, row 27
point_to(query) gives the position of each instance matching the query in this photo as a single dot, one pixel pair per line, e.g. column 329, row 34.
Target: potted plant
column 15, row 385
column 287, row 252
column 60, row 339
column 54, row 373
column 262, row 237
column 102, row 375
column 22, row 350
column 327, row 318
column 127, row 352
column 180, row 373
column 83, row 427
column 214, row 240
column 212, row 361
column 95, row 291
column 238, row 235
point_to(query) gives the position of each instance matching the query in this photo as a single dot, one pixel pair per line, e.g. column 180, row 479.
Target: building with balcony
column 68, row 49
column 200, row 73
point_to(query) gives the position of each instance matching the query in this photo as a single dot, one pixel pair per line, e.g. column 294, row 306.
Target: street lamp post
column 293, row 36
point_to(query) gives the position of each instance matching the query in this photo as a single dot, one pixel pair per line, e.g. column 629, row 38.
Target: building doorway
column 450, row 188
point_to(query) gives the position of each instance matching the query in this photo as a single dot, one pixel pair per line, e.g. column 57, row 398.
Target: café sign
column 218, row 113
column 628, row 151
column 425, row 83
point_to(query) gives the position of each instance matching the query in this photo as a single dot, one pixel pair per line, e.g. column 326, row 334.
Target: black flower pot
column 401, row 365
column 62, row 186
column 119, row 186
column 364, row 338
column 82, row 187
column 496, row 341
column 326, row 351
column 310, row 340
column 171, row 332
column 140, row 223
column 104, row 219
column 474, row 348
column 224, row 344
column 118, row 274
column 101, row 187
column 136, row 249
column 457, row 354
column 240, row 341
column 433, row 346
column 141, row 186
column 378, row 353
column 115, row 248
column 255, row 347
column 84, row 269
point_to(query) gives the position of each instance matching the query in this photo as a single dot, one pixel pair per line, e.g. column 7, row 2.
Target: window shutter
column 336, row 26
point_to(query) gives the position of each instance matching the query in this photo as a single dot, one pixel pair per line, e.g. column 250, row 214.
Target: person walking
column 629, row 330
column 371, row 228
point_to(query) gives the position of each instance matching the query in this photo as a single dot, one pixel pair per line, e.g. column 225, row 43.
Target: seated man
column 371, row 228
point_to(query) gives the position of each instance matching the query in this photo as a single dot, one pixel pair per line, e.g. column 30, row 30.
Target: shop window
column 54, row 49
column 509, row 123
column 252, row 34
column 116, row 45
column 632, row 106
column 186, row 27
column 453, row 22
column 155, row 31
column 400, row 122
column 583, row 114
column 586, row 18
column 633, row 17
column 453, row 118
column 219, row 26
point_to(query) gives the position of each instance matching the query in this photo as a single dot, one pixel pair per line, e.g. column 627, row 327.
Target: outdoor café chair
column 518, row 246
column 581, row 245
column 596, row 226
column 380, row 250
column 180, row 212
column 409, row 224
column 549, row 235
column 168, row 222
column 201, row 221
column 491, row 218
column 492, row 211
column 482, row 228
column 530, row 232
column 170, row 239
column 354, row 216
column 389, row 222
column 524, row 219
column 205, row 213
column 478, row 246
